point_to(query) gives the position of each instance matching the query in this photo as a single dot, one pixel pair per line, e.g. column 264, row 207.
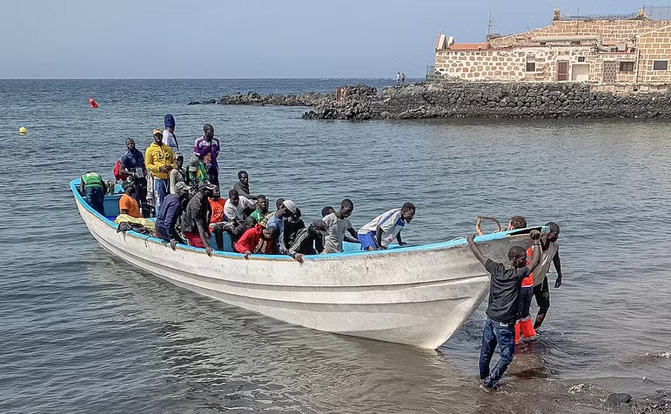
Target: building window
column 581, row 58
column 531, row 64
column 660, row 64
column 626, row 66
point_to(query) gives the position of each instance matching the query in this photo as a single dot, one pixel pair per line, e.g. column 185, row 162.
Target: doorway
column 562, row 70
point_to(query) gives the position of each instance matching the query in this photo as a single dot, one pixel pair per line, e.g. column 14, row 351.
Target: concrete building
column 625, row 51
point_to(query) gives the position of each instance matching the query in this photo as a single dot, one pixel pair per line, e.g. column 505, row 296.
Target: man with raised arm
column 501, row 312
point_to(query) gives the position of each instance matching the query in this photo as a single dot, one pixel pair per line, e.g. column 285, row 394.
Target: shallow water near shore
column 85, row 332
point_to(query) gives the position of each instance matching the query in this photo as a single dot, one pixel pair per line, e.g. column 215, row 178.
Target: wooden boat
column 418, row 295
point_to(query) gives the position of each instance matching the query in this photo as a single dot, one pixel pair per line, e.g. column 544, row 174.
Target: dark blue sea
column 84, row 332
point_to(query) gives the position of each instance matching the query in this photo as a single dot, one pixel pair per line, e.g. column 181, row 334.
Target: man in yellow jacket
column 159, row 160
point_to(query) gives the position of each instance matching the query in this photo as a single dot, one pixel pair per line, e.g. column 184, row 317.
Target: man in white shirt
column 238, row 207
column 380, row 232
column 169, row 134
column 337, row 226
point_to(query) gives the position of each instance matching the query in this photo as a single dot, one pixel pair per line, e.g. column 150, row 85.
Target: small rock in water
column 577, row 388
column 617, row 398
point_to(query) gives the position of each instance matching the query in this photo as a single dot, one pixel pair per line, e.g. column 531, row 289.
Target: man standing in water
column 208, row 144
column 159, row 159
column 542, row 290
column 501, row 312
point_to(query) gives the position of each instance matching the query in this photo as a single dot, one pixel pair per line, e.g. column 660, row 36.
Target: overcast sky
column 253, row 39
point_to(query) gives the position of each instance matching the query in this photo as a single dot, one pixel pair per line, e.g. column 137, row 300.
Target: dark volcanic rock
column 207, row 102
column 617, row 398
column 253, row 98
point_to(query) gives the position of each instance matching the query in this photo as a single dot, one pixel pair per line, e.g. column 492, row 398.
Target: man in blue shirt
column 283, row 212
column 173, row 205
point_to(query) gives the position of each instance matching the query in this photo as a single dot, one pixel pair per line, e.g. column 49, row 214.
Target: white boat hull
column 418, row 295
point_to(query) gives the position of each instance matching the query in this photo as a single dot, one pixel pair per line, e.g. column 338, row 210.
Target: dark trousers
column 213, row 175
column 524, row 302
column 542, row 294
column 140, row 195
column 96, row 199
column 504, row 335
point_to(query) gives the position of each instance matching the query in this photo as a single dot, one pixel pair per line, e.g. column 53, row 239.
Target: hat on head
column 290, row 205
column 206, row 185
column 193, row 163
column 179, row 155
column 169, row 121
column 320, row 227
column 157, row 131
column 182, row 186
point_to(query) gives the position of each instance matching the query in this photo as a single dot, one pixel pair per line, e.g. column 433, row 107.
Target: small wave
column 666, row 355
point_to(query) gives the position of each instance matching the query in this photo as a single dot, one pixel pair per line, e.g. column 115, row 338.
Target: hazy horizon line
column 204, row 78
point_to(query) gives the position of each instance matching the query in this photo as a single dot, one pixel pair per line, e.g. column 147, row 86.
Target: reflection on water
column 85, row 332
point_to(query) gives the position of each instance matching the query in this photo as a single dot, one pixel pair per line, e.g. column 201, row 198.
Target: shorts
column 367, row 240
column 194, row 239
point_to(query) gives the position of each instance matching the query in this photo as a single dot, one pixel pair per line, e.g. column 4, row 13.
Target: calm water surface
column 84, row 332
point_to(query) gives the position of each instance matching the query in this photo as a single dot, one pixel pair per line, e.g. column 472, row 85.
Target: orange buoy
column 93, row 103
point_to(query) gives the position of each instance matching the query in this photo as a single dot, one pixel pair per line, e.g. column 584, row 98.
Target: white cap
column 290, row 205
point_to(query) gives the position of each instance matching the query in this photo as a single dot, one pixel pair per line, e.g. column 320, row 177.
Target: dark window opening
column 660, row 65
column 531, row 66
column 581, row 58
column 626, row 66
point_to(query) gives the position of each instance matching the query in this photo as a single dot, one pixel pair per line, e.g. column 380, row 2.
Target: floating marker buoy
column 93, row 103
column 23, row 131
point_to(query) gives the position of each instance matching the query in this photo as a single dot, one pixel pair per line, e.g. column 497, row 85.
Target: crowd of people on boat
column 188, row 205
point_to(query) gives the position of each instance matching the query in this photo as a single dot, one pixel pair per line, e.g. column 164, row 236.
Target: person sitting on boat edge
column 159, row 159
column 309, row 240
column 166, row 220
column 542, row 290
column 515, row 222
column 242, row 186
column 127, row 204
column 257, row 240
column 236, row 211
column 177, row 174
column 327, row 210
column 195, row 220
column 132, row 164
column 94, row 188
column 501, row 311
column 382, row 230
column 217, row 218
column 337, row 226
column 261, row 208
column 286, row 209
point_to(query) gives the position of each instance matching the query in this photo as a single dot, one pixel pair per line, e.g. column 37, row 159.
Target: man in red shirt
column 257, row 240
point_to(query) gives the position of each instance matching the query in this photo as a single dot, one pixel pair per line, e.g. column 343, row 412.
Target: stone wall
column 654, row 45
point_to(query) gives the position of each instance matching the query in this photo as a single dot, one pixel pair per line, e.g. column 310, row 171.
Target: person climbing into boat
column 542, row 290
column 327, row 210
column 127, row 204
column 174, row 205
column 502, row 305
column 93, row 186
column 159, row 159
column 380, row 232
column 515, row 222
column 277, row 219
column 261, row 208
column 169, row 133
column 177, row 174
column 337, row 226
column 309, row 241
column 217, row 218
column 132, row 164
column 195, row 220
column 208, row 145
column 257, row 240
column 292, row 225
column 242, row 186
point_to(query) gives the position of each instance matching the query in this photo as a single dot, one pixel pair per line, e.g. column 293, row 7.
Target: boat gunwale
column 458, row 242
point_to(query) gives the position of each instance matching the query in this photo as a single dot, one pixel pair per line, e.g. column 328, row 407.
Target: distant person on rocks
column 217, row 217
column 309, row 240
column 132, row 164
column 208, row 144
column 293, row 224
column 501, row 312
column 159, row 159
column 380, row 232
column 337, row 227
column 327, row 210
column 398, row 79
column 402, row 79
column 195, row 219
column 177, row 174
column 261, row 209
column 173, row 206
column 542, row 290
column 169, row 133
column 257, row 240
column 197, row 171
column 277, row 219
column 242, row 186
column 127, row 204
column 93, row 186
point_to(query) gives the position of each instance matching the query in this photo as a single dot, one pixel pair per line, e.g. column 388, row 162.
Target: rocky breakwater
column 490, row 100
column 253, row 98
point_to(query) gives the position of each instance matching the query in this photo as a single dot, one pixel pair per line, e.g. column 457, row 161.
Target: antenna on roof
column 489, row 23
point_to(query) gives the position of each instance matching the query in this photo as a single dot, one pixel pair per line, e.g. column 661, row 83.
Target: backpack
column 118, row 175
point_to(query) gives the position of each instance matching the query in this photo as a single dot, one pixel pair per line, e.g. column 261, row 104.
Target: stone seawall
column 471, row 100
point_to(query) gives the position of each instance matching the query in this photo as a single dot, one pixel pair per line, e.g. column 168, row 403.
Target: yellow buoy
column 23, row 130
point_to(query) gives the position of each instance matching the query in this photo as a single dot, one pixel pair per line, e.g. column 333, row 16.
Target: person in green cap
column 93, row 186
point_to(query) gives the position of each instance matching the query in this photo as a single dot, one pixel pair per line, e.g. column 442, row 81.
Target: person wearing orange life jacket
column 523, row 325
